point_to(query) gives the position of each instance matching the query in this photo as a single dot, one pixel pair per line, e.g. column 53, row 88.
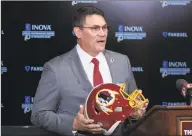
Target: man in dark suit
column 67, row 79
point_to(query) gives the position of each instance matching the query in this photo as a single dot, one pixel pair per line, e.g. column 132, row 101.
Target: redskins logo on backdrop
column 108, row 104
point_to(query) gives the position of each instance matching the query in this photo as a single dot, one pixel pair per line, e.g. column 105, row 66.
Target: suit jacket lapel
column 77, row 67
column 111, row 63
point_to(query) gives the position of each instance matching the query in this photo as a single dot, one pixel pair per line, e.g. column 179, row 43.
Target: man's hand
column 83, row 124
column 140, row 111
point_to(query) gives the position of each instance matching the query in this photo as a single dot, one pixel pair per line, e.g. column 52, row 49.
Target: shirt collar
column 86, row 58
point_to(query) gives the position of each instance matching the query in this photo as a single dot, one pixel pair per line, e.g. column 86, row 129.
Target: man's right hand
column 83, row 124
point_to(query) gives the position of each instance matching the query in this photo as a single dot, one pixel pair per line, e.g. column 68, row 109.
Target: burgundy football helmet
column 108, row 104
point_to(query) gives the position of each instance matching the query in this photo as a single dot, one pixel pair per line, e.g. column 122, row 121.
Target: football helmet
column 108, row 104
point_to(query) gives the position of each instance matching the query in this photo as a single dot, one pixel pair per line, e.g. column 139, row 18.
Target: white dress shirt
column 89, row 66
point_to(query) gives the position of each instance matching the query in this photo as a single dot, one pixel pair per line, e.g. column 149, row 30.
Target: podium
column 163, row 121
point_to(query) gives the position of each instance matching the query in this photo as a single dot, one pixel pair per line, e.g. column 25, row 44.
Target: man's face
column 93, row 34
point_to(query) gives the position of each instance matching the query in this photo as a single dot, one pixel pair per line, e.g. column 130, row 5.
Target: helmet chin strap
column 110, row 131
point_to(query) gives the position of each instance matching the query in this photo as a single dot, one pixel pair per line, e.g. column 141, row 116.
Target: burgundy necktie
column 97, row 78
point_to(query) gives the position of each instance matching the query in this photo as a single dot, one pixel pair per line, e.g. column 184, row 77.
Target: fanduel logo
column 130, row 32
column 137, row 69
column 175, row 34
column 175, row 3
column 37, row 31
column 33, row 68
column 173, row 103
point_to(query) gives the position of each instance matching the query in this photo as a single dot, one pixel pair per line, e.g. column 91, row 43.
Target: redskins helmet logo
column 108, row 104
column 104, row 99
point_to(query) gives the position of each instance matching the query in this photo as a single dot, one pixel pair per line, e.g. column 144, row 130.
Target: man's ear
column 78, row 32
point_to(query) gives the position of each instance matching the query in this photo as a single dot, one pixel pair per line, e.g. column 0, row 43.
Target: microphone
column 186, row 90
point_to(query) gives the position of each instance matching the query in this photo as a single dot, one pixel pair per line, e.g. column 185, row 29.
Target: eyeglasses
column 95, row 29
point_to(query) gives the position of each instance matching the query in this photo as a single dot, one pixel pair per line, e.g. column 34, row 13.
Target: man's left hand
column 140, row 111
